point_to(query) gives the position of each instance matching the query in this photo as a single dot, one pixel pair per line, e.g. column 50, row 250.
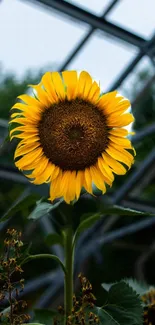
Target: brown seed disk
column 73, row 134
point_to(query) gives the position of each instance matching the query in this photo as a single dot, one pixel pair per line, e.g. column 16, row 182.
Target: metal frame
column 145, row 47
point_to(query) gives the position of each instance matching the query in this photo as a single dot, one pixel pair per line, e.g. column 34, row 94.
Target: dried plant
column 10, row 280
column 83, row 305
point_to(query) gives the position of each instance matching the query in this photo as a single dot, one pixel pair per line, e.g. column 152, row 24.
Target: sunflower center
column 73, row 134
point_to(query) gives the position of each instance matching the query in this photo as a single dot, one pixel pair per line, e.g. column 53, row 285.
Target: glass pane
column 103, row 58
column 142, row 72
column 34, row 38
column 138, row 16
column 96, row 7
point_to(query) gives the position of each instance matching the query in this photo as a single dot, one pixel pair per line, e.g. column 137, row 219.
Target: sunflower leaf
column 122, row 306
column 87, row 222
column 43, row 208
column 140, row 287
column 122, row 211
column 25, row 202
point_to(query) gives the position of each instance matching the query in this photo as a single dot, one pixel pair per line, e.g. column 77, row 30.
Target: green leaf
column 123, row 306
column 53, row 239
column 140, row 287
column 40, row 210
column 45, row 316
column 85, row 224
column 121, row 211
column 20, row 206
column 104, row 317
column 43, row 208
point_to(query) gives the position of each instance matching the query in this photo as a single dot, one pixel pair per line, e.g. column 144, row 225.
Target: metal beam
column 9, row 173
column 84, row 40
column 146, row 50
column 143, row 91
column 145, row 132
column 99, row 23
column 139, row 204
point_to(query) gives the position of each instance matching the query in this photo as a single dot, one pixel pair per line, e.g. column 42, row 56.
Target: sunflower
column 71, row 135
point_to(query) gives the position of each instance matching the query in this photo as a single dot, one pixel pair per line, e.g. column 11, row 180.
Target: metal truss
column 145, row 47
column 99, row 23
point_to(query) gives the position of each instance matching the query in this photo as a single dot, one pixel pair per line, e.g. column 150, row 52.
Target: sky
column 33, row 37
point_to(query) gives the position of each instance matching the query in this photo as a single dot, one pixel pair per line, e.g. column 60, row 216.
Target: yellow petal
column 58, row 85
column 32, row 112
column 88, row 180
column 121, row 141
column 39, row 170
column 29, row 141
column 105, row 178
column 48, row 85
column 30, row 100
column 65, row 180
column 107, row 99
column 68, row 185
column 46, row 174
column 120, row 155
column 94, row 92
column 70, row 80
column 28, row 132
column 30, row 166
column 24, row 121
column 69, row 194
column 54, row 172
column 20, row 106
column 97, row 178
column 84, row 84
column 118, row 106
column 119, row 132
column 105, row 170
column 120, row 148
column 24, row 135
column 24, row 149
column 121, row 107
column 79, row 182
column 29, row 158
column 115, row 165
column 42, row 95
column 120, row 121
column 31, row 119
column 31, row 129
column 17, row 115
column 55, row 187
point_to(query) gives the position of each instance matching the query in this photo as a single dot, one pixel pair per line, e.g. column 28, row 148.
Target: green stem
column 69, row 261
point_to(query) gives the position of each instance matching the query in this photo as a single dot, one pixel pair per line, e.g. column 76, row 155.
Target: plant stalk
column 68, row 280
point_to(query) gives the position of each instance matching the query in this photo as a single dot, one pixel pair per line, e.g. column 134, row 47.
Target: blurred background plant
column 117, row 247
